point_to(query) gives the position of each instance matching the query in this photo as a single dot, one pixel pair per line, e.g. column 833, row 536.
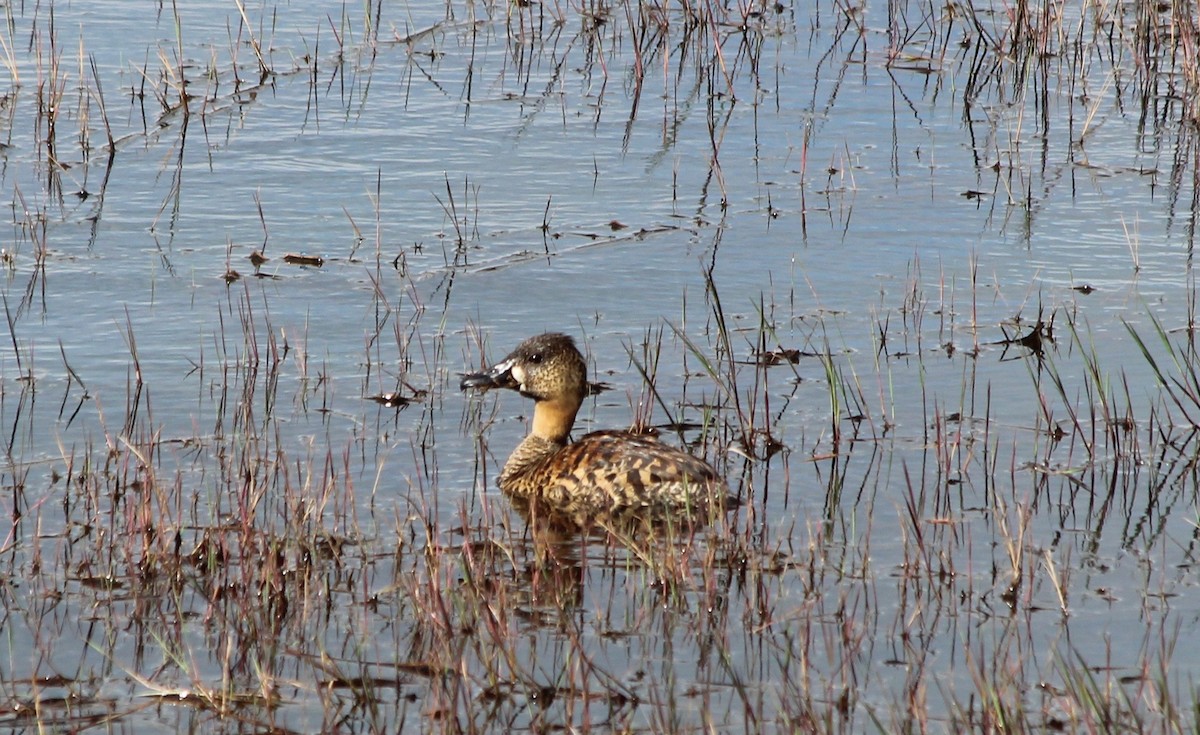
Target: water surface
column 212, row 525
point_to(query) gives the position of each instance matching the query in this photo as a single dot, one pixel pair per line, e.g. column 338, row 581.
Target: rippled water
column 473, row 174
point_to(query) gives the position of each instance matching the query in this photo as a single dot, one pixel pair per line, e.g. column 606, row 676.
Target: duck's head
column 547, row 368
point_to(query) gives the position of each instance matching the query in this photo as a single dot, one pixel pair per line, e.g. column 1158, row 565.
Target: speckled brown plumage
column 603, row 470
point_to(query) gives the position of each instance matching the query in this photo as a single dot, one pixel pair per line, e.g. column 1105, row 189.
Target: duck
column 608, row 471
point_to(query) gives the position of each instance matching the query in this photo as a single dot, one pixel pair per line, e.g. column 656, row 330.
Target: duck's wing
column 616, row 468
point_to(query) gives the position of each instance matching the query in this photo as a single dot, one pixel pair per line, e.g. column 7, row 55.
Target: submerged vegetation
column 244, row 495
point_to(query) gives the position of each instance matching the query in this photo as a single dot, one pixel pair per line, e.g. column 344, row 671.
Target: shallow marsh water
column 214, row 527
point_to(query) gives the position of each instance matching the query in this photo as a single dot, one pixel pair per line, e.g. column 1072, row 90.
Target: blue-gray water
column 478, row 172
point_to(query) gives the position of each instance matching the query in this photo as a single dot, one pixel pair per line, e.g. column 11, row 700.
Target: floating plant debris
column 315, row 261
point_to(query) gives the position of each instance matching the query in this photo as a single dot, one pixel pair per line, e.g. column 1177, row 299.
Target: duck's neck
column 552, row 422
column 553, row 419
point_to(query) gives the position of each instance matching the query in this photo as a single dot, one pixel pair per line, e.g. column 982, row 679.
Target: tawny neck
column 553, row 419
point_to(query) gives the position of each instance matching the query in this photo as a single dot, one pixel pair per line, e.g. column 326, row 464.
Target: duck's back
column 617, row 469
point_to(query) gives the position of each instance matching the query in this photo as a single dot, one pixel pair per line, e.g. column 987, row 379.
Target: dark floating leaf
column 315, row 261
column 1124, row 423
column 53, row 680
column 780, row 356
column 421, row 668
column 1035, row 341
column 257, row 258
column 362, row 682
column 616, row 225
column 595, row 389
column 1085, row 289
column 231, row 275
column 391, row 400
column 328, row 546
column 396, row 399
column 102, row 583
column 974, row 194
column 641, row 429
column 772, row 446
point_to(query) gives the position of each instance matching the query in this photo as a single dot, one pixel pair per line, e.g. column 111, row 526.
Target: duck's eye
column 536, row 358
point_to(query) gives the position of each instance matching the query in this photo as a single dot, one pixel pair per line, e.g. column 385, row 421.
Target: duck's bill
column 481, row 382
column 499, row 376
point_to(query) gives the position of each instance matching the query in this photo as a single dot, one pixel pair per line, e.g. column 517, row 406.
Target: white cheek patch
column 518, row 374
